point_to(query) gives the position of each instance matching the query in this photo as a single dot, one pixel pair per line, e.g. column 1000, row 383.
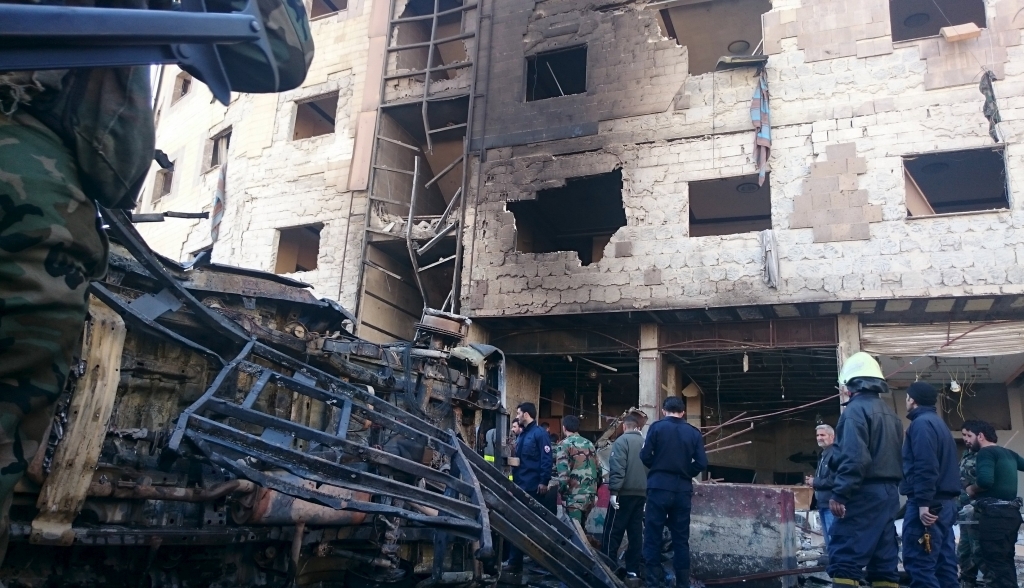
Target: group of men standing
column 860, row 477
column 650, row 481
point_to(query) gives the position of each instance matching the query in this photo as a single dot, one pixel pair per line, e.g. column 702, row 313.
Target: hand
column 542, row 489
column 972, row 490
column 809, row 480
column 839, row 510
column 614, row 502
column 926, row 516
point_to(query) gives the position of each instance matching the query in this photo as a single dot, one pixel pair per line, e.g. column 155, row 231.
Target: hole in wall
column 556, row 73
column 710, row 30
column 955, row 181
column 581, row 216
column 916, row 19
column 730, row 205
column 325, row 7
column 298, row 249
column 315, row 117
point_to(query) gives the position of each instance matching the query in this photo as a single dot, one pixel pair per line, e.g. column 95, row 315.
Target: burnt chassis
column 307, row 459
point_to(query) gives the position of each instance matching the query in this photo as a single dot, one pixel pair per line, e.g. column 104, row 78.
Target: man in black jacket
column 673, row 454
column 931, row 483
column 822, row 481
column 533, row 448
column 867, row 466
column 627, row 481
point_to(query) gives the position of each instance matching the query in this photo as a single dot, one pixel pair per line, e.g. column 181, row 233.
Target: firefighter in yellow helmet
column 868, row 467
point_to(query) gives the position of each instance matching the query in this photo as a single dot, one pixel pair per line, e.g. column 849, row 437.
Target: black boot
column 655, row 576
column 683, row 578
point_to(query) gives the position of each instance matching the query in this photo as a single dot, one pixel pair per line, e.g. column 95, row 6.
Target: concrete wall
column 272, row 182
column 875, row 99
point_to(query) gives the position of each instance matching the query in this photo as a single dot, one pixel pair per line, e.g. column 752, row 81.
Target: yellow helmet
column 859, row 365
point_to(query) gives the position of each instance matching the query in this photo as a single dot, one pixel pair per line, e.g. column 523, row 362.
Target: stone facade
column 869, row 107
column 272, row 181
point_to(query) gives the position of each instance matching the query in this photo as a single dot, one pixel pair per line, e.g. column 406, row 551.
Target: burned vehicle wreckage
column 224, row 428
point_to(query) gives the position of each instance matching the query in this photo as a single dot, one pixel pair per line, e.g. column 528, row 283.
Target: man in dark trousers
column 674, row 455
column 627, row 481
column 867, row 465
column 822, row 481
column 997, row 507
column 931, row 483
column 533, row 448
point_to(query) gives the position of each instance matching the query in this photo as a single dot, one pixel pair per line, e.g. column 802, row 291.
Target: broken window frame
column 536, row 57
column 296, row 231
column 310, row 103
column 894, row 29
column 339, row 6
column 1007, row 191
column 219, row 146
column 183, row 83
column 163, row 185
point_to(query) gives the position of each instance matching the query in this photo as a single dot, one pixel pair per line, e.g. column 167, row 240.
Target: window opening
column 316, row 117
column 298, row 249
column 219, row 149
column 164, row 182
column 325, row 7
column 556, row 73
column 581, row 216
column 916, row 19
column 955, row 181
column 182, row 86
column 729, row 206
column 711, row 31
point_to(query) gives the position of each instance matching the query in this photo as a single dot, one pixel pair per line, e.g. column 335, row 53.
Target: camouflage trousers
column 50, row 247
column 578, row 510
column 968, row 555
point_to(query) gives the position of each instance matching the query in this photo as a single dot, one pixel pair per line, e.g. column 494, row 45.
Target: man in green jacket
column 627, row 481
column 996, row 503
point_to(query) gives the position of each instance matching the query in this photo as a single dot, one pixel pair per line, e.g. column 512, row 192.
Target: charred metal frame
column 454, row 217
column 477, row 498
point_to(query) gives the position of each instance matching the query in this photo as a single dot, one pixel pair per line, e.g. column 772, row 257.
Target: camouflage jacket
column 577, row 471
column 968, row 475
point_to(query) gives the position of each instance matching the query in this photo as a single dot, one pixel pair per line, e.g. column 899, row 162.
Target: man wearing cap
column 931, row 483
column 867, row 465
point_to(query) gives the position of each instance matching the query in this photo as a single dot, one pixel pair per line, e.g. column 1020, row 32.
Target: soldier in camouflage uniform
column 69, row 140
column 576, row 470
column 968, row 549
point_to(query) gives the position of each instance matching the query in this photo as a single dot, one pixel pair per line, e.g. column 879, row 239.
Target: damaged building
column 715, row 199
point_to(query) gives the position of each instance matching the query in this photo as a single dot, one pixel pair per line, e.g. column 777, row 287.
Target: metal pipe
column 103, row 488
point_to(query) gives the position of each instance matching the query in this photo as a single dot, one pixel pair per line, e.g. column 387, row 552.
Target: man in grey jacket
column 627, row 481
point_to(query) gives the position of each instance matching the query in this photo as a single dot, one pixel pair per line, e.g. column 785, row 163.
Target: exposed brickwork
column 826, row 29
column 832, row 203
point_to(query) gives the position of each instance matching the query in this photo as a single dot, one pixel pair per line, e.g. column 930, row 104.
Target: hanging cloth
column 991, row 108
column 761, row 119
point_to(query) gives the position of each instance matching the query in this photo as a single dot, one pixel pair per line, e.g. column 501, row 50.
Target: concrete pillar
column 848, row 331
column 650, row 372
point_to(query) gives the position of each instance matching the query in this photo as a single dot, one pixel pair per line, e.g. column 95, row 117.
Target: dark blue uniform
column 931, row 477
column 533, row 448
column 867, row 465
column 673, row 454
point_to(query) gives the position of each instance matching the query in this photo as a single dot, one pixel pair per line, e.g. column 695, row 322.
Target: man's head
column 570, row 424
column 546, row 426
column 861, row 374
column 921, row 394
column 825, row 435
column 516, row 428
column 630, row 423
column 674, row 406
column 979, row 434
column 526, row 413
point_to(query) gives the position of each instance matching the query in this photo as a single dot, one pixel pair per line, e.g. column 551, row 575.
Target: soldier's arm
column 561, row 468
column 700, row 457
column 545, row 459
column 617, row 466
